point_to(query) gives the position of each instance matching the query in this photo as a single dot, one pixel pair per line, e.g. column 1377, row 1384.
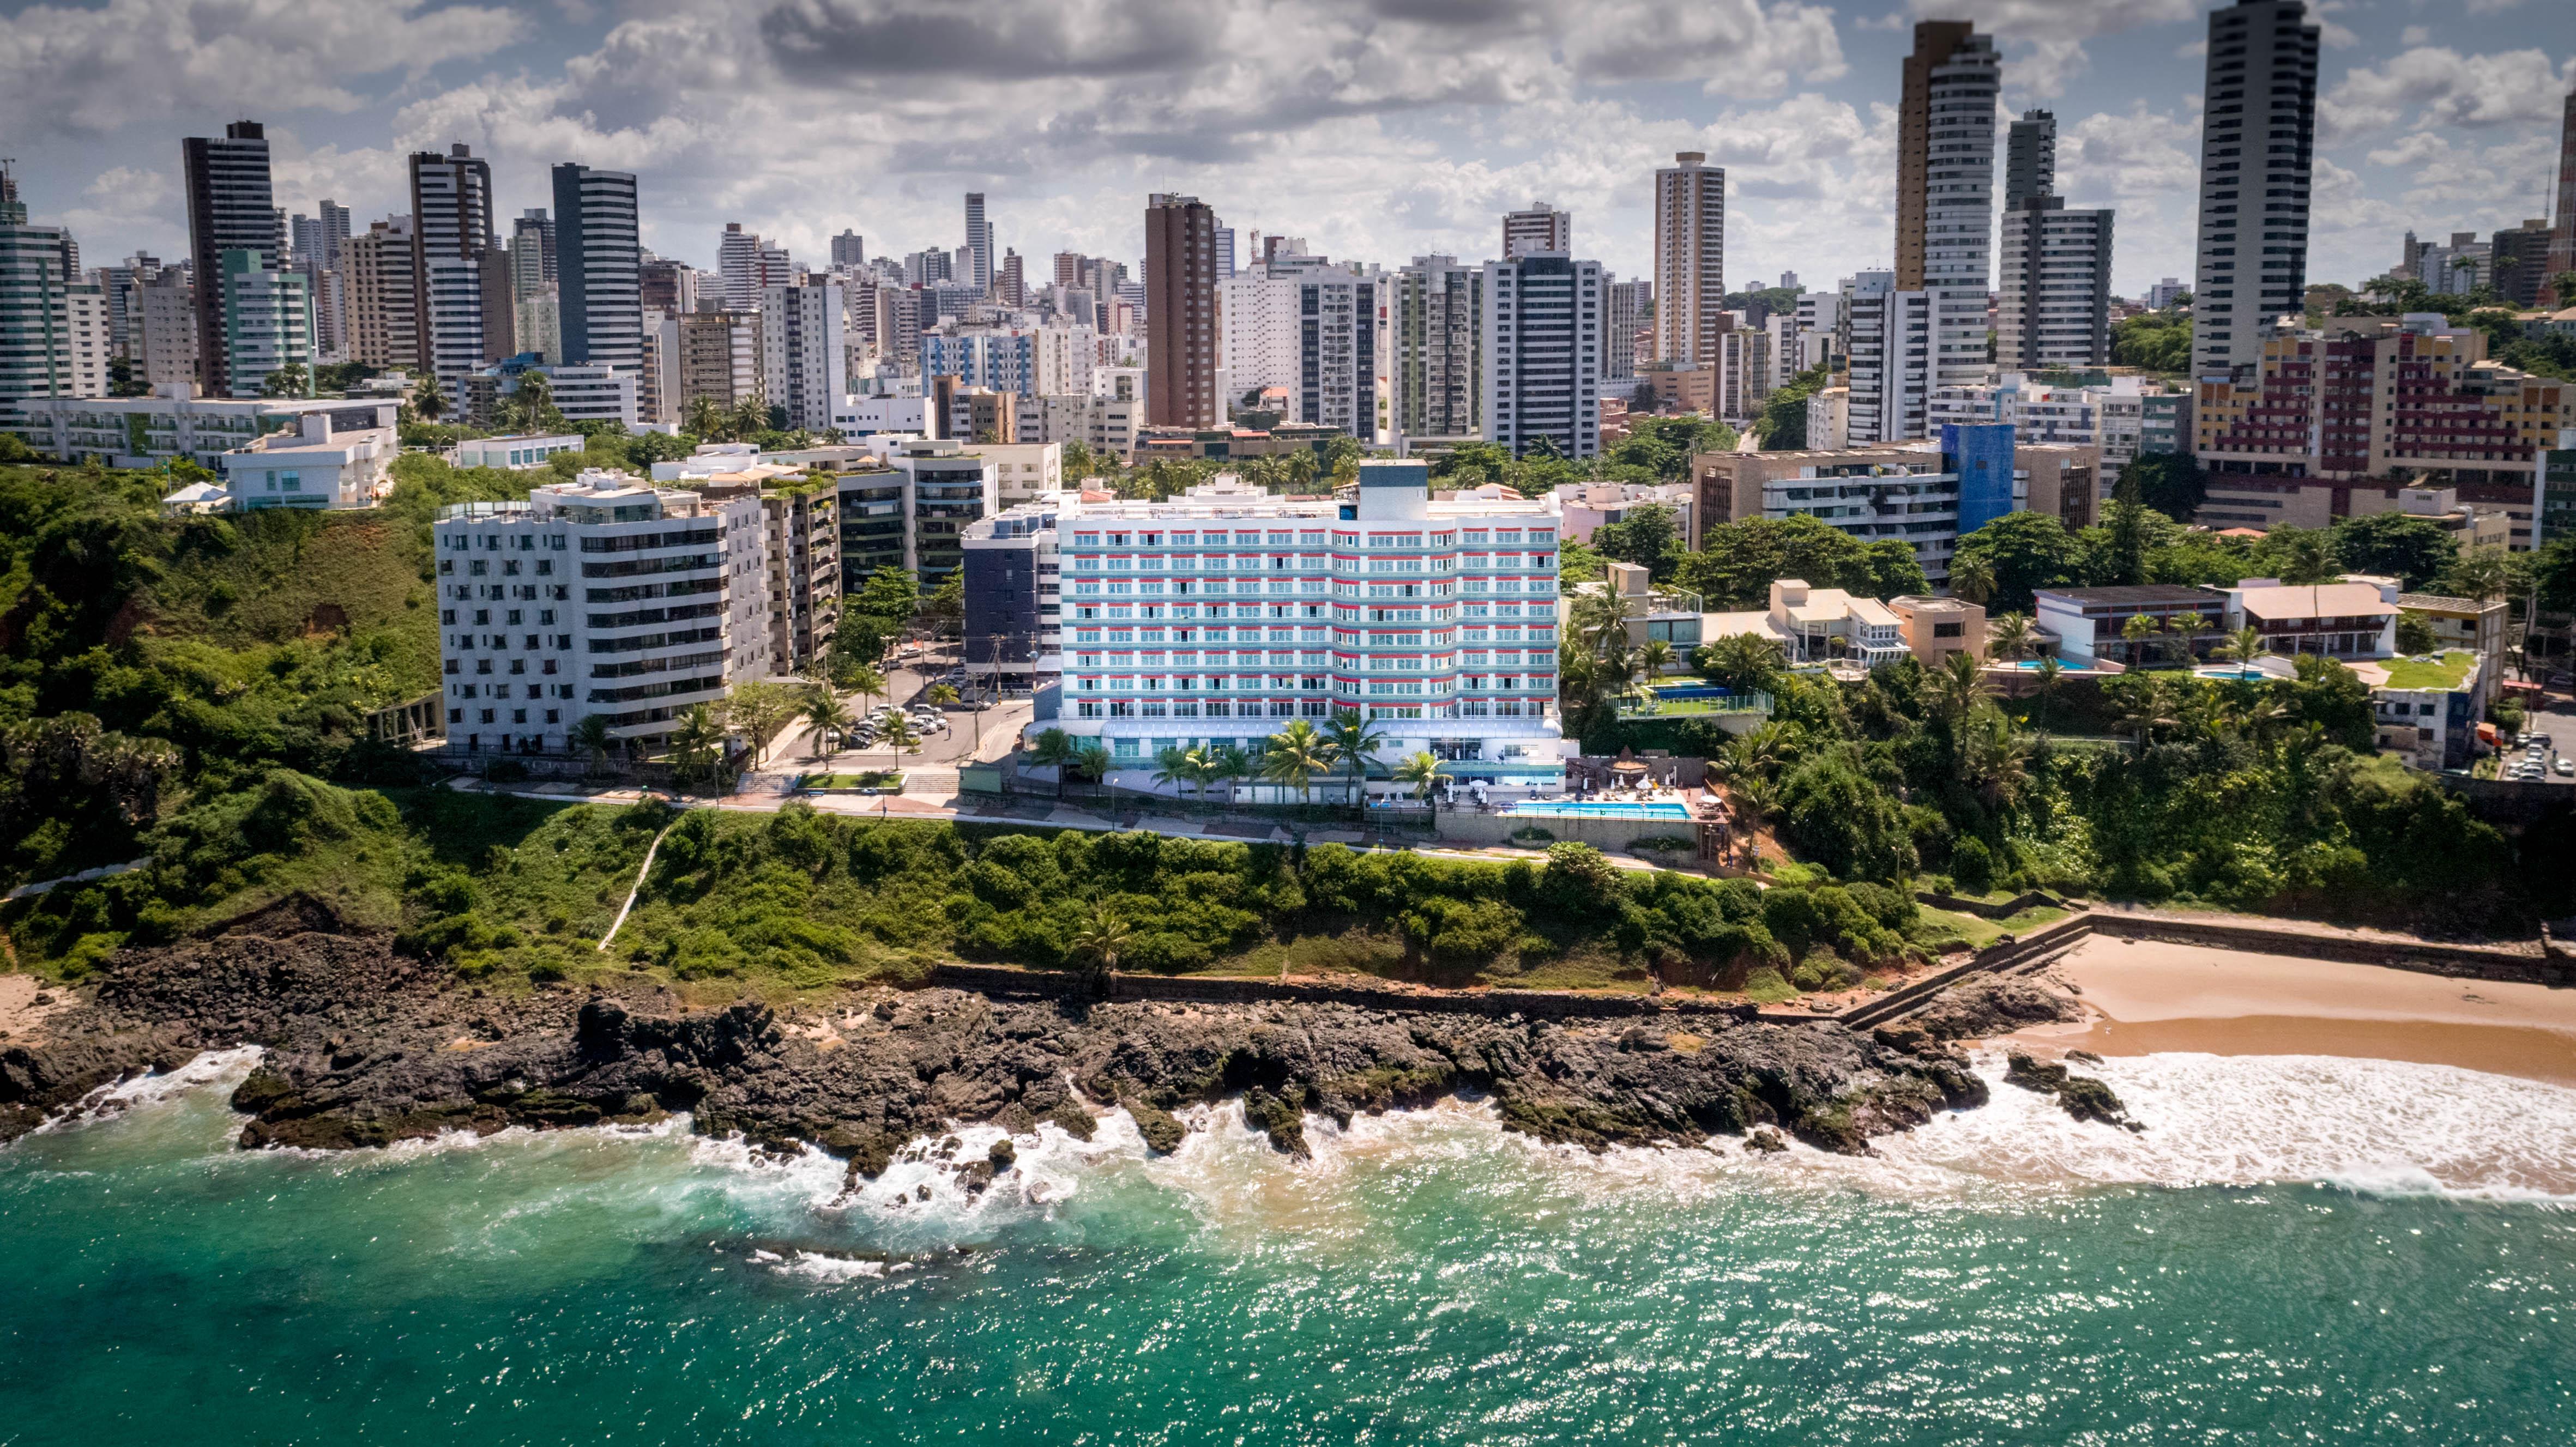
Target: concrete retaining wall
column 2484, row 962
column 1608, row 835
column 1207, row 989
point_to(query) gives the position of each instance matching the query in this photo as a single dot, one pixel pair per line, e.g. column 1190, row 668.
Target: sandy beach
column 2150, row 998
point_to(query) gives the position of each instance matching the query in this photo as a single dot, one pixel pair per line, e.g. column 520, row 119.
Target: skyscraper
column 1690, row 258
column 1623, row 315
column 738, row 262
column 230, row 208
column 1224, row 252
column 54, row 336
column 2562, row 230
column 804, row 362
column 451, row 210
column 533, row 221
column 2030, row 158
column 1540, row 228
column 381, row 326
column 2053, row 270
column 2256, row 144
column 1542, row 365
column 1438, row 341
column 318, row 239
column 849, row 251
column 1945, row 182
column 1180, row 312
column 598, row 256
column 979, row 243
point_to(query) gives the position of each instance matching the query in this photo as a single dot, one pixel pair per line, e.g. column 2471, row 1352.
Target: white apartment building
column 1065, row 358
column 603, row 596
column 1541, row 354
column 1022, row 472
column 2111, row 418
column 165, row 331
column 322, row 462
column 861, row 415
column 1624, row 306
column 267, row 321
column 1540, row 228
column 1220, row 615
column 1319, row 332
column 143, row 432
column 517, row 453
column 804, row 361
column 1892, row 372
column 595, row 394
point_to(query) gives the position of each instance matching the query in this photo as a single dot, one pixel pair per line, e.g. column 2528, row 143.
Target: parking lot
column 2557, row 723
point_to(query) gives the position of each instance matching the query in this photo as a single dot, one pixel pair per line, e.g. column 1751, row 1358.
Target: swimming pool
column 1599, row 809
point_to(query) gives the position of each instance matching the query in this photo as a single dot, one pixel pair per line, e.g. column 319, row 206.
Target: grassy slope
column 285, row 572
column 511, row 891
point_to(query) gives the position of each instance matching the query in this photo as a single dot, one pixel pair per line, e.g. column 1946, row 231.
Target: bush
column 1973, row 864
column 1766, row 987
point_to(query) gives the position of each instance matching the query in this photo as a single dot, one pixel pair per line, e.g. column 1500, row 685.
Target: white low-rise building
column 604, row 596
column 318, row 464
column 144, row 432
column 516, row 453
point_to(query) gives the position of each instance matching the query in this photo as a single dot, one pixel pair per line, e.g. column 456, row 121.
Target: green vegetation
column 2451, row 670
column 881, row 779
column 1783, row 424
column 515, row 890
column 2154, row 342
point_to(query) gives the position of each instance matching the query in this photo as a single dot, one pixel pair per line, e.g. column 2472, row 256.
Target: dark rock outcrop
column 1986, row 1005
column 2081, row 1096
column 366, row 1047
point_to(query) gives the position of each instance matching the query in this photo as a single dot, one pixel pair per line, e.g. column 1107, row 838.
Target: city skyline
column 1401, row 158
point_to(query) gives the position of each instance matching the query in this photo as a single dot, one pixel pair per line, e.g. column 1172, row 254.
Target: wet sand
column 2151, row 998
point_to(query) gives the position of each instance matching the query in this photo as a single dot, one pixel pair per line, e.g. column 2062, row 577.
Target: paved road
column 2559, row 722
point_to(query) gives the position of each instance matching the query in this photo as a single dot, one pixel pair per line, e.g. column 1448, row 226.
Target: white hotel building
column 606, row 596
column 1220, row 615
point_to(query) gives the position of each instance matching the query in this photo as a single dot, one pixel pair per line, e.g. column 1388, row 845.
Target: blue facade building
column 1000, row 361
column 1981, row 454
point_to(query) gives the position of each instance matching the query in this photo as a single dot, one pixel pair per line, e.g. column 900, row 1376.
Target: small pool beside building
column 1598, row 809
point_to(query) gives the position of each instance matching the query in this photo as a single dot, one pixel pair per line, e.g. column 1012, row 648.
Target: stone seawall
column 1009, row 980
column 2484, row 962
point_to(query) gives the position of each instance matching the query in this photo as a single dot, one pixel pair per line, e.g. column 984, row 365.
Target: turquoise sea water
column 2297, row 1250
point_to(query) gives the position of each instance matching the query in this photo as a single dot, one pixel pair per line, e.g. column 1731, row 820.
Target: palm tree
column 1053, row 748
column 2189, row 627
column 864, row 681
column 749, row 415
column 940, row 694
column 2137, row 631
column 1296, row 755
column 704, row 420
column 2145, row 703
column 1092, row 759
column 1350, row 742
column 1993, row 759
column 1172, row 766
column 1654, row 656
column 1744, row 660
column 2051, row 673
column 1958, row 687
column 592, row 737
column 2014, row 634
column 898, row 736
column 1228, row 763
column 1972, row 577
column 429, row 401
column 2483, row 574
column 1421, row 770
column 2242, row 647
column 830, row 719
column 1098, row 944
column 697, row 745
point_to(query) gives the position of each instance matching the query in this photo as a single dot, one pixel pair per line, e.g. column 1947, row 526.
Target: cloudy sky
column 1374, row 129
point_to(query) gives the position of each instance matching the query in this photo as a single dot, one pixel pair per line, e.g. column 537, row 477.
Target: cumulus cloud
column 82, row 70
column 2439, row 85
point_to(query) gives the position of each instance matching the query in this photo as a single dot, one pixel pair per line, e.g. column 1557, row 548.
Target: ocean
column 2296, row 1249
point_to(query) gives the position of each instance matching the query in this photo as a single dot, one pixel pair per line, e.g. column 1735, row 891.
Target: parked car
column 2566, row 768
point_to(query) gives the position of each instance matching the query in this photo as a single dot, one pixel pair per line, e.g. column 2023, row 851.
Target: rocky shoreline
column 366, row 1047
